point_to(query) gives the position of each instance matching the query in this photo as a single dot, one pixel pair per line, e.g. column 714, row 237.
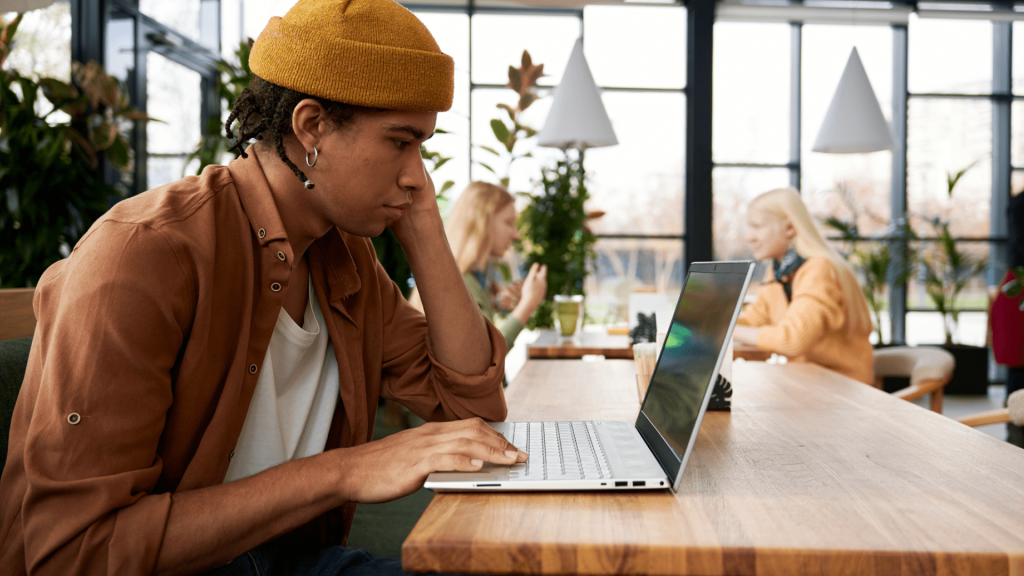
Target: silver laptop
column 652, row 452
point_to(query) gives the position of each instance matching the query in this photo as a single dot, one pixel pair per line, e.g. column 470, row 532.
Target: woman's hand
column 397, row 465
column 534, row 288
column 745, row 335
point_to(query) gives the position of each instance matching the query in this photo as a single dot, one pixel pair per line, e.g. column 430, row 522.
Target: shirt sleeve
column 113, row 319
column 755, row 314
column 817, row 308
column 510, row 329
column 413, row 376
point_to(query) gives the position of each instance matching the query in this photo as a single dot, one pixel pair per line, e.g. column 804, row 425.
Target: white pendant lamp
column 577, row 118
column 854, row 122
column 23, row 5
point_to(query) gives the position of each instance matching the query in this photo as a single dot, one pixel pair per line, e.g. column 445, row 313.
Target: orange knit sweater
column 813, row 327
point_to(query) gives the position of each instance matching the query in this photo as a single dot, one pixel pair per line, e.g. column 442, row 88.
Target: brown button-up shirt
column 153, row 333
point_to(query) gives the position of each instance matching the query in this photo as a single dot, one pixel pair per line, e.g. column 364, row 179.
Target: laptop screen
column 689, row 360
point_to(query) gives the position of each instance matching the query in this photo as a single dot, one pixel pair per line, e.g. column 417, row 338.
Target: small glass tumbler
column 568, row 314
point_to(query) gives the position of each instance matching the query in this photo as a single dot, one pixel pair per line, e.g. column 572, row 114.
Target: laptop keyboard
column 559, row 451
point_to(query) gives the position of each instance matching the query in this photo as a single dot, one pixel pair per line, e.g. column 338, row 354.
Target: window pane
column 844, row 184
column 452, row 34
column 639, row 183
column 180, row 15
column 1017, row 132
column 173, row 93
column 624, row 265
column 42, row 44
column 549, row 39
column 525, row 172
column 636, row 46
column 751, row 93
column 950, row 56
column 732, row 190
column 943, row 137
column 926, row 328
column 1018, row 58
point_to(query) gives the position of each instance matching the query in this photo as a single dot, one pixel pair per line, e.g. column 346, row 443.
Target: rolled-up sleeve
column 413, row 376
column 112, row 321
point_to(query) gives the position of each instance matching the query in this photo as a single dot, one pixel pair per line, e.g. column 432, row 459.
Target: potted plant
column 947, row 270
column 50, row 162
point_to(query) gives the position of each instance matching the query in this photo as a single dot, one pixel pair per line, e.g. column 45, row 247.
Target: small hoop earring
column 315, row 155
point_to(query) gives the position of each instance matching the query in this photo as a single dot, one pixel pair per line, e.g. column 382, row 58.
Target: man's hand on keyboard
column 397, row 465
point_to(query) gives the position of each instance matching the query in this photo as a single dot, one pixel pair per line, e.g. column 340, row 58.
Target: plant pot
column 971, row 373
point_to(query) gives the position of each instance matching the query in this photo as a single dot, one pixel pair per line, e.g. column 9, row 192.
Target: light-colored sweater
column 509, row 327
column 813, row 327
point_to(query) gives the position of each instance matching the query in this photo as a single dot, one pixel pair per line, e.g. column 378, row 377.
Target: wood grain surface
column 811, row 473
column 549, row 344
column 17, row 320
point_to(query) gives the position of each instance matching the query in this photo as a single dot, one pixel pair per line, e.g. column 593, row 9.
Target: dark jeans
column 276, row 559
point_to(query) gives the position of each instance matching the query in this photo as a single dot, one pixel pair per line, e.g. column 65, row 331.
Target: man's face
column 369, row 171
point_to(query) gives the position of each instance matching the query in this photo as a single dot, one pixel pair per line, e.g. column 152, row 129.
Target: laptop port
column 640, row 483
column 621, row 483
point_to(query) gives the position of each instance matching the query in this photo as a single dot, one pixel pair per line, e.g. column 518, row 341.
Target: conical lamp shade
column 577, row 118
column 854, row 122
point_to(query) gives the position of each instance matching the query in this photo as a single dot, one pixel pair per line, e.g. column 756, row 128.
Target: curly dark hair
column 264, row 111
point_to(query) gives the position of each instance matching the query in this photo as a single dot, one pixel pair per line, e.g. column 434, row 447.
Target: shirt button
column 74, row 418
column 230, row 456
column 281, row 256
column 275, row 287
column 262, row 233
column 252, row 368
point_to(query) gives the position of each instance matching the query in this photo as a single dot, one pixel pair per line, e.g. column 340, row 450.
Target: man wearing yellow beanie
column 208, row 361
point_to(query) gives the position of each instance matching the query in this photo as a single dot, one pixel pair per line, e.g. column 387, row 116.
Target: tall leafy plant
column 1014, row 288
column 947, row 269
column 887, row 259
column 554, row 222
column 523, row 81
column 49, row 161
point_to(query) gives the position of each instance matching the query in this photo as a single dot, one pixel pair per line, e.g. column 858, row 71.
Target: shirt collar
column 258, row 202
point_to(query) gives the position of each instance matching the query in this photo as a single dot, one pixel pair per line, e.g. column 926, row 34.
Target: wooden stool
column 929, row 369
column 1014, row 412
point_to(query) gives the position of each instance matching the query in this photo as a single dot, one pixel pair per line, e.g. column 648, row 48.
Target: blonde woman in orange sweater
column 815, row 310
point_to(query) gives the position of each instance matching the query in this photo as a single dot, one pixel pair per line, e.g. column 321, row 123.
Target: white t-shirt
column 296, row 393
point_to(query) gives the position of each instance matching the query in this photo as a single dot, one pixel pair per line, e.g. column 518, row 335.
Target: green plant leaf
column 489, row 149
column 441, row 162
column 511, row 111
column 117, row 153
column 445, row 187
column 515, row 80
column 952, row 179
column 501, row 132
column 487, row 167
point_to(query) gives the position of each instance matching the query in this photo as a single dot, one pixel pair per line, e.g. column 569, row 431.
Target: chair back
column 17, row 319
column 929, row 369
column 13, row 362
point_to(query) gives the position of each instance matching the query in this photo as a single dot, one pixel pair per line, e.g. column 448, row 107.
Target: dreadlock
column 264, row 111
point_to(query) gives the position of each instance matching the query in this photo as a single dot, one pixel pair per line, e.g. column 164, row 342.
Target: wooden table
column 811, row 473
column 550, row 344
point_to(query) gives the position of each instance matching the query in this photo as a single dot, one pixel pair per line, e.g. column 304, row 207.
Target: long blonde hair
column 469, row 225
column 786, row 203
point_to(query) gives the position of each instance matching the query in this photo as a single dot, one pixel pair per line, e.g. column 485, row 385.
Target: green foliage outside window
column 48, row 166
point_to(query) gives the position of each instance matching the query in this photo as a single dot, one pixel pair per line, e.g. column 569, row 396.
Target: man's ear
column 308, row 123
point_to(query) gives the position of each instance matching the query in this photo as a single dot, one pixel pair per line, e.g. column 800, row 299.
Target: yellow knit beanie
column 371, row 53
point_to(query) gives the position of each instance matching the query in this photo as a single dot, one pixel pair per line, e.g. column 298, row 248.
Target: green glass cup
column 568, row 314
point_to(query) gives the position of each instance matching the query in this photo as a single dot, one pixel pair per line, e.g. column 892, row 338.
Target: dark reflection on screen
column 691, row 351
